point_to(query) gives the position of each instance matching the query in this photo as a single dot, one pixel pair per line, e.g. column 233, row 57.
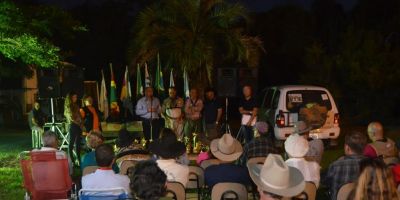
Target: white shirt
column 105, row 179
column 174, row 171
column 310, row 170
column 315, row 151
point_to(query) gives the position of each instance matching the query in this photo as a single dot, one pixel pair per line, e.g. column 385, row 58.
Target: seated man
column 346, row 169
column 227, row 149
column 275, row 179
column 380, row 146
column 105, row 177
column 316, row 146
column 261, row 146
column 50, row 143
column 148, row 181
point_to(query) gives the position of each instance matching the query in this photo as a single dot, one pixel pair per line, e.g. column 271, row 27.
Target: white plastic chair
column 103, row 194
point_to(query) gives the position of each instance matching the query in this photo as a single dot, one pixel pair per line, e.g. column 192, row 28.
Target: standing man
column 212, row 114
column 90, row 115
column 149, row 109
column 168, row 105
column 248, row 108
column 36, row 121
column 193, row 108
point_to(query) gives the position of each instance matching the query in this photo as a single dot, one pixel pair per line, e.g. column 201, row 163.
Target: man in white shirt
column 104, row 177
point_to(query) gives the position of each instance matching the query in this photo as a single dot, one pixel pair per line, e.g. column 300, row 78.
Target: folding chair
column 177, row 190
column 125, row 165
column 345, row 191
column 103, row 194
column 89, row 169
column 196, row 179
column 223, row 191
column 46, row 175
column 207, row 163
column 257, row 160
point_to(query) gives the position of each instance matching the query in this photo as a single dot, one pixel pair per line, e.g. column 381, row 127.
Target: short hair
column 210, row 89
column 49, row 139
column 147, row 181
column 104, row 155
column 356, row 141
column 94, row 139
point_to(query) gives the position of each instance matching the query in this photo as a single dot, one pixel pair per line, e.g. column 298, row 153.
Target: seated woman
column 128, row 149
column 93, row 140
column 169, row 133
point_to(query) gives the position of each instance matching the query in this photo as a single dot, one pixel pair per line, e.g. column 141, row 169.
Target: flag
column 103, row 102
column 159, row 78
column 139, row 83
column 171, row 79
column 113, row 95
column 147, row 80
column 185, row 83
column 126, row 92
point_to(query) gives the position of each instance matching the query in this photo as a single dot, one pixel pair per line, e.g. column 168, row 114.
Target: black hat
column 167, row 147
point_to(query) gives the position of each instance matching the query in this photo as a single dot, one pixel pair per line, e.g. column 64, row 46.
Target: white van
column 281, row 105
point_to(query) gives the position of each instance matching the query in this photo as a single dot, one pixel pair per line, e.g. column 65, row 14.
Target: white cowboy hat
column 296, row 146
column 226, row 148
column 301, row 127
column 276, row 177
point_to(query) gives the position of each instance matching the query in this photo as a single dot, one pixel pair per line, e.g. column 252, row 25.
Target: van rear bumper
column 328, row 133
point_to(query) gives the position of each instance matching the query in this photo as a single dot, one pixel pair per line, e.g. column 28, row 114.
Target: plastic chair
column 177, row 190
column 229, row 191
column 257, row 160
column 89, row 169
column 207, row 163
column 345, row 191
column 103, row 194
column 46, row 175
column 125, row 165
column 196, row 179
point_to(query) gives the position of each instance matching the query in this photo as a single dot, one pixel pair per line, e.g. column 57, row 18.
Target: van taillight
column 336, row 118
column 280, row 120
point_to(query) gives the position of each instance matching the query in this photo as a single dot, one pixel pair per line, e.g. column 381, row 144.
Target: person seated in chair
column 50, row 143
column 381, row 146
column 128, row 149
column 227, row 149
column 105, row 177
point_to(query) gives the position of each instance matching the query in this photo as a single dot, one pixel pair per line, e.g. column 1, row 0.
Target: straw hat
column 296, row 146
column 301, row 127
column 276, row 177
column 226, row 148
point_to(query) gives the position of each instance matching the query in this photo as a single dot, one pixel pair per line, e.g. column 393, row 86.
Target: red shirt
column 369, row 151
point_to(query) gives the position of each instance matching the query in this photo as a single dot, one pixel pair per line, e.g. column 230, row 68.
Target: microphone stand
column 151, row 119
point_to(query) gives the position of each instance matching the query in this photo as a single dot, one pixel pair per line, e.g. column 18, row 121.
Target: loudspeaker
column 49, row 84
column 248, row 76
column 227, row 82
column 72, row 80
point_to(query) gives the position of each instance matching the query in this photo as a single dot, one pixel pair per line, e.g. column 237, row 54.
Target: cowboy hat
column 167, row 147
column 301, row 127
column 296, row 146
column 226, row 148
column 276, row 177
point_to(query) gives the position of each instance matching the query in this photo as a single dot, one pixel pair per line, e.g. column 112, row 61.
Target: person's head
column 125, row 139
column 167, row 146
column 88, row 101
column 94, row 139
column 148, row 92
column 166, row 132
column 375, row 131
column 49, row 139
column 354, row 143
column 36, row 105
column 210, row 94
column 247, row 91
column 71, row 98
column 172, row 92
column 375, row 181
column 104, row 155
column 268, row 196
column 147, row 181
column 193, row 93
column 262, row 127
column 180, row 103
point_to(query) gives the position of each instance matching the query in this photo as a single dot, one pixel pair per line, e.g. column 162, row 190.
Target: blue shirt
column 226, row 173
column 89, row 159
column 142, row 108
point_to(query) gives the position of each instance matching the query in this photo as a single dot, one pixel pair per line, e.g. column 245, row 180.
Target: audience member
column 168, row 150
column 105, row 177
column 381, row 146
column 128, row 149
column 50, row 143
column 375, row 181
column 297, row 147
column 260, row 146
column 275, row 179
column 148, row 181
column 316, row 146
column 346, row 169
column 227, row 149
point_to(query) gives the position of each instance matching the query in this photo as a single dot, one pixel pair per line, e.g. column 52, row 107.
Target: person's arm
column 187, row 107
column 158, row 108
column 253, row 116
column 141, row 107
column 219, row 115
column 164, row 109
column 199, row 106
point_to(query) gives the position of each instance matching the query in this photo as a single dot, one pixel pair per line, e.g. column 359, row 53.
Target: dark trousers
column 75, row 133
column 148, row 125
column 247, row 133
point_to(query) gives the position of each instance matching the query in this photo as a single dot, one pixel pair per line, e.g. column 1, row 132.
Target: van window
column 276, row 99
column 297, row 99
column 268, row 98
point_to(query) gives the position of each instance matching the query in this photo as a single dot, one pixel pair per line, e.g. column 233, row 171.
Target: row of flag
column 110, row 106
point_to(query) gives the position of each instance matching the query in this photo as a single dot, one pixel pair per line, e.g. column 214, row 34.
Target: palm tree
column 192, row 35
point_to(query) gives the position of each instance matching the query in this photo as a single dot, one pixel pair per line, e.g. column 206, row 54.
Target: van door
column 266, row 105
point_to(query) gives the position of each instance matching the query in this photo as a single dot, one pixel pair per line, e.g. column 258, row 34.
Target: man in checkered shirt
column 346, row 169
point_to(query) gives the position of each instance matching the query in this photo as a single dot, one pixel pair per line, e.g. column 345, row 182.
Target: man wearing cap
column 316, row 146
column 260, row 146
column 297, row 147
column 381, row 146
column 227, row 149
column 149, row 109
column 275, row 179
